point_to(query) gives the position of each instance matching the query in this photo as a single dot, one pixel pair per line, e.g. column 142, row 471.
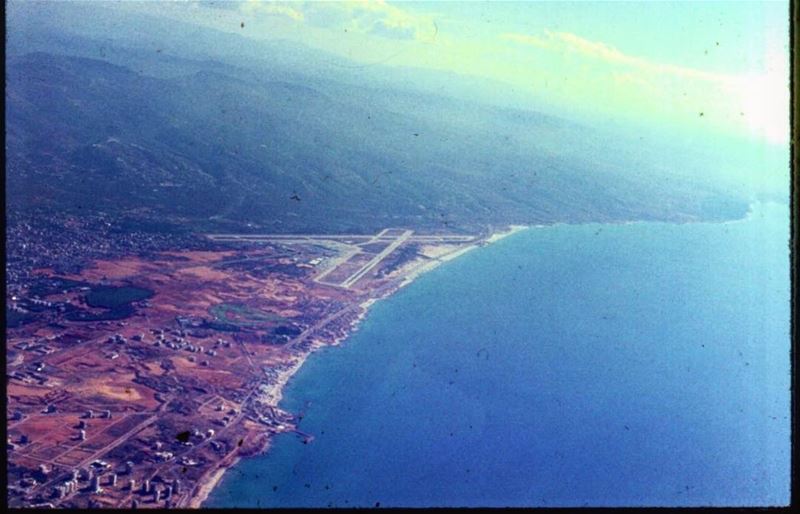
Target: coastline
column 419, row 269
column 214, row 476
column 275, row 393
column 247, row 483
column 208, row 485
column 512, row 229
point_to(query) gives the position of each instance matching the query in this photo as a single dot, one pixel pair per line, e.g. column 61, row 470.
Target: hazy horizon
column 561, row 228
column 666, row 61
column 710, row 79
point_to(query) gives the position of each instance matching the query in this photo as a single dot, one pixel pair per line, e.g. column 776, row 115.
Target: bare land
column 139, row 380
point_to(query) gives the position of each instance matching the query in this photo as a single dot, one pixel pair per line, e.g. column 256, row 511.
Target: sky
column 719, row 66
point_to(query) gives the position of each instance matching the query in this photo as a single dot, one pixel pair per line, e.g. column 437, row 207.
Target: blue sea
column 601, row 365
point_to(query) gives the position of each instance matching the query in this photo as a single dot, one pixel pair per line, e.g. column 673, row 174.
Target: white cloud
column 375, row 17
column 568, row 42
column 381, row 18
column 255, row 7
column 757, row 103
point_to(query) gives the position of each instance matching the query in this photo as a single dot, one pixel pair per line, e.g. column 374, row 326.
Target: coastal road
column 186, row 497
column 364, row 238
column 320, row 324
column 284, row 237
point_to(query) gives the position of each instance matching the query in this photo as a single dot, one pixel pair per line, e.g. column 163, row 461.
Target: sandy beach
column 513, row 229
column 273, row 394
column 209, row 484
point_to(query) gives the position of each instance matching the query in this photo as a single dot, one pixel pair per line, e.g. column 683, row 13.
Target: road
column 334, row 263
column 378, row 258
column 380, row 236
column 185, row 497
column 321, row 324
column 280, row 237
column 94, row 456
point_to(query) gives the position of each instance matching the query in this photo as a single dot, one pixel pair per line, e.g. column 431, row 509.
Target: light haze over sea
column 602, row 365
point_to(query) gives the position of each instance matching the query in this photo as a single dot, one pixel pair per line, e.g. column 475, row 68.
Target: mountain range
column 245, row 138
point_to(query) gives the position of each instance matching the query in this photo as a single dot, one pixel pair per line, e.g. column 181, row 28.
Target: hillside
column 228, row 145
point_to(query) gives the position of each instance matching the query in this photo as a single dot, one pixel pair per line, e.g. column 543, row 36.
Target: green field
column 240, row 314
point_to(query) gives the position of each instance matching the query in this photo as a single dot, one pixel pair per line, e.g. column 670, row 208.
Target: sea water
column 602, row 365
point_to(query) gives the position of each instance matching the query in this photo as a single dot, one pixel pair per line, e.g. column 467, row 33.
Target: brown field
column 118, row 428
column 50, row 452
column 154, row 368
column 73, row 457
column 83, row 360
column 119, row 386
column 202, row 273
column 137, row 380
column 47, row 425
column 200, row 256
column 15, row 389
column 115, row 270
